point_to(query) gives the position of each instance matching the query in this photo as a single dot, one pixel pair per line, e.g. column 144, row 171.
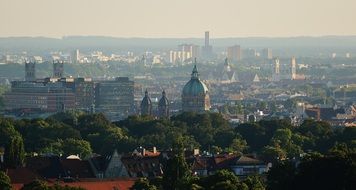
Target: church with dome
column 195, row 96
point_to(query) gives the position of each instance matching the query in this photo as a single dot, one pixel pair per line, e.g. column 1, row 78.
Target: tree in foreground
column 177, row 174
column 5, row 183
column 143, row 184
column 223, row 180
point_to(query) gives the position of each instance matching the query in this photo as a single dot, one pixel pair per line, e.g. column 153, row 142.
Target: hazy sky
column 177, row 18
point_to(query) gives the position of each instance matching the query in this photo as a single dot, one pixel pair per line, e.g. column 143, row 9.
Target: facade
column 146, row 105
column 163, row 106
column 195, row 97
column 84, row 90
column 46, row 96
column 115, row 98
column 50, row 95
column 234, row 53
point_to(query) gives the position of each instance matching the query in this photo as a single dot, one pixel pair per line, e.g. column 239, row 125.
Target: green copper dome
column 194, row 87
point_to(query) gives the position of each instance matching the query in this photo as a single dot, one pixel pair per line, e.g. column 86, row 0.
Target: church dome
column 146, row 101
column 194, row 87
column 164, row 100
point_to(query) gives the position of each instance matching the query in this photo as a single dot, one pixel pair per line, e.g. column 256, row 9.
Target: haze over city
column 177, row 94
column 178, row 19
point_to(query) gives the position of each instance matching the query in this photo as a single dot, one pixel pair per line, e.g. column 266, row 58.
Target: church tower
column 163, row 106
column 195, row 97
column 146, row 105
column 276, row 70
column 30, row 71
column 58, row 69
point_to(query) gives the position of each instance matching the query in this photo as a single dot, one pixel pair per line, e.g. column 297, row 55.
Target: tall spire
column 195, row 73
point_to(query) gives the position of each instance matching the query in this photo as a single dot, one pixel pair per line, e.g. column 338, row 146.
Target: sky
column 177, row 18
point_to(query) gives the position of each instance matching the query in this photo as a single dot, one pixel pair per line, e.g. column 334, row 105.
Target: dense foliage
column 81, row 134
column 5, row 183
column 321, row 148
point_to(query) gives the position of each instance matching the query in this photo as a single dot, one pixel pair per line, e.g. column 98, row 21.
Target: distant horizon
column 175, row 37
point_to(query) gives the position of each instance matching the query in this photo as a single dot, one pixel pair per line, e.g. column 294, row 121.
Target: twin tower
column 30, row 70
column 163, row 106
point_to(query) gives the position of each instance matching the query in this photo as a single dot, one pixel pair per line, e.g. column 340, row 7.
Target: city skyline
column 177, row 19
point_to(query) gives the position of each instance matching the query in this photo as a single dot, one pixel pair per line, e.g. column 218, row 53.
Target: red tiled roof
column 22, row 175
column 122, row 184
column 244, row 160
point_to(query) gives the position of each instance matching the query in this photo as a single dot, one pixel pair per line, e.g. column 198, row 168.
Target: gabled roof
column 244, row 160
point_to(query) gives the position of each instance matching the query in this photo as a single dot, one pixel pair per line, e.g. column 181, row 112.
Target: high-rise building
column 179, row 56
column 195, row 97
column 293, row 68
column 84, row 90
column 75, row 56
column 30, row 71
column 38, row 97
column 267, row 53
column 207, row 49
column 191, row 48
column 146, row 105
column 184, row 52
column 58, row 69
column 115, row 98
column 234, row 53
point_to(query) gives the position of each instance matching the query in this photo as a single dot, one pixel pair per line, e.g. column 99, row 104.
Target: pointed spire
column 163, row 93
column 195, row 73
column 226, row 62
column 146, row 92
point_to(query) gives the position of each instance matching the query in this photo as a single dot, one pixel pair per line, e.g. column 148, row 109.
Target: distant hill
column 290, row 45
